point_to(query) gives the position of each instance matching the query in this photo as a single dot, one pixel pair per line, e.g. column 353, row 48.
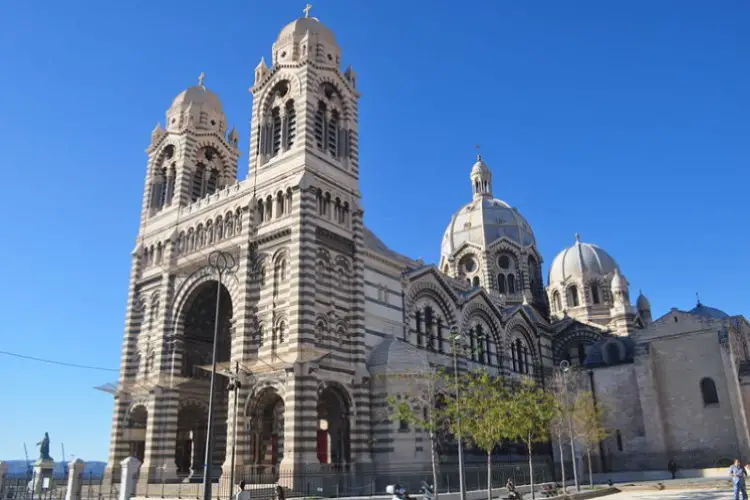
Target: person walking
column 738, row 474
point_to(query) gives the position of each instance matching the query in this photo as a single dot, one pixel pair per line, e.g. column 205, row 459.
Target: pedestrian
column 673, row 468
column 738, row 474
column 242, row 494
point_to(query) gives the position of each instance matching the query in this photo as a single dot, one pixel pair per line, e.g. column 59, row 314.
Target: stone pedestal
column 75, row 479
column 3, row 475
column 130, row 468
column 44, row 476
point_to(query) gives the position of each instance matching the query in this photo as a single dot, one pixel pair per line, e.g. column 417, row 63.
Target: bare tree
column 588, row 418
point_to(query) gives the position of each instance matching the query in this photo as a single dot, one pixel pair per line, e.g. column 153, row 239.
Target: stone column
column 161, row 438
column 75, row 479
column 130, row 467
column 300, row 426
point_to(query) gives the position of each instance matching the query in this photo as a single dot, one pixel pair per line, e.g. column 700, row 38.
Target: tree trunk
column 433, row 454
column 562, row 462
column 531, row 471
column 489, row 475
column 591, row 474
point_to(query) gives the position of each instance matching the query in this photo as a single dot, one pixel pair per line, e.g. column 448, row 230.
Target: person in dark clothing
column 673, row 468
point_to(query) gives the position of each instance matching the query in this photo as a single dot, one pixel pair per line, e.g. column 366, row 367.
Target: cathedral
column 317, row 313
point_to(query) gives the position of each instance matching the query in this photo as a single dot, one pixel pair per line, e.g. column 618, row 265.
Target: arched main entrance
column 197, row 321
column 333, row 438
column 265, row 434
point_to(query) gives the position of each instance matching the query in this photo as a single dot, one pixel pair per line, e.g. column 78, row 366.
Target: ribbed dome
column 197, row 96
column 642, row 302
column 300, row 27
column 484, row 221
column 395, row 356
column 579, row 259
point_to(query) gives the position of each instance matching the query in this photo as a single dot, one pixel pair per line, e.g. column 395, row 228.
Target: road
column 673, row 495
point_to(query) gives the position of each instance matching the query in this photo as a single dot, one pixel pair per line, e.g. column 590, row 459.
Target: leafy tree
column 484, row 408
column 560, row 425
column 588, row 421
column 530, row 410
column 419, row 405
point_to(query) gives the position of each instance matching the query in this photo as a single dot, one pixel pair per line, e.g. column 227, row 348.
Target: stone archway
column 135, row 432
column 196, row 323
column 334, row 428
column 265, row 431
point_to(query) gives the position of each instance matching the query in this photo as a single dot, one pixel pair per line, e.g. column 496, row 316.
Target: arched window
column 519, row 354
column 619, row 440
column 269, row 207
column 428, row 322
column 709, row 392
column 511, row 284
column 333, row 134
column 197, row 187
column 501, row 283
column 261, row 211
column 595, row 293
column 291, row 124
column 288, row 200
column 321, row 204
column 275, row 131
column 171, row 176
column 418, row 317
column 573, row 296
column 556, row 302
column 613, row 353
column 440, row 335
column 320, row 124
column 212, row 182
column 475, row 281
column 281, row 332
column 280, row 204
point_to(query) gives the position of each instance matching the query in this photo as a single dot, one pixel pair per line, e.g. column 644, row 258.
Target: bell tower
column 194, row 156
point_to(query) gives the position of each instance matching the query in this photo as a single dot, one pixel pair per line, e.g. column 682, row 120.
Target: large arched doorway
column 192, row 423
column 135, row 432
column 197, row 321
column 333, row 438
column 265, row 434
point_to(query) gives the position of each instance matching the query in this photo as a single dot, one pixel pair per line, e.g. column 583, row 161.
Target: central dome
column 197, row 96
column 300, row 27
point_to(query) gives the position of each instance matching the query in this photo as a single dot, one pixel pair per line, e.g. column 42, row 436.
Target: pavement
column 694, row 494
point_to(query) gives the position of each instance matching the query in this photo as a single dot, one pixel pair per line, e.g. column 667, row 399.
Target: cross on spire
column 202, row 79
column 477, row 146
column 306, row 10
column 698, row 299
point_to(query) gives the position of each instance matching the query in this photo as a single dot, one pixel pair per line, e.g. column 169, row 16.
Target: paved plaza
column 673, row 495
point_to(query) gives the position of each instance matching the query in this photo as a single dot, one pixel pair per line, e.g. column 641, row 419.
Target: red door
column 322, row 446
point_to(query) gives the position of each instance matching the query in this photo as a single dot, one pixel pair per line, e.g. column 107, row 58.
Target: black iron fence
column 337, row 482
column 29, row 487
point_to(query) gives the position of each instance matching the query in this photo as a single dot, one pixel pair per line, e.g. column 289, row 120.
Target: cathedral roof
column 300, row 27
column 395, row 356
column 709, row 312
column 579, row 259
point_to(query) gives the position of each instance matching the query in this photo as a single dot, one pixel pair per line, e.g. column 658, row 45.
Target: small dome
column 299, row 28
column 395, row 356
column 484, row 221
column 709, row 312
column 197, row 96
column 642, row 302
column 579, row 259
column 480, row 167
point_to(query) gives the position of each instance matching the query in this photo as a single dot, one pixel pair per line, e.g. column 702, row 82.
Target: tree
column 561, row 423
column 530, row 410
column 588, row 418
column 419, row 405
column 484, row 407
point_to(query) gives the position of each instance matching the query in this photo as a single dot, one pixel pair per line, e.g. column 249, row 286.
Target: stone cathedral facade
column 318, row 311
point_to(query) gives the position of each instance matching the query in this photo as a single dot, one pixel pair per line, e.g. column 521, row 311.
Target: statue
column 44, row 448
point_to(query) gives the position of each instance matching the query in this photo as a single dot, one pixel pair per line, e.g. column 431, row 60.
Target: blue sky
column 626, row 121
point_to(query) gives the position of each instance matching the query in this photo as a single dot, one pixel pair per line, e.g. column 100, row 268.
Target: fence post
column 3, row 476
column 130, row 467
column 75, row 479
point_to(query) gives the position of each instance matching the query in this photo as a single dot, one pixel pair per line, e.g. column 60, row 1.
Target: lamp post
column 221, row 263
column 565, row 368
column 457, row 337
column 234, row 385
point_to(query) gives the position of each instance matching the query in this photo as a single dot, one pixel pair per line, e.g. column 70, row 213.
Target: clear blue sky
column 626, row 121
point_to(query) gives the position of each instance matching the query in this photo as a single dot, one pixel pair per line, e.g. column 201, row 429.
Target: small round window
column 470, row 265
column 503, row 262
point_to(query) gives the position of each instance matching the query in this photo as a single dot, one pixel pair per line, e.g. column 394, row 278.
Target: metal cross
column 201, row 79
column 306, row 10
column 477, row 146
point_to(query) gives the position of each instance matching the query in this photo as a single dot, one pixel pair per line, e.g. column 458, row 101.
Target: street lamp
column 234, row 385
column 221, row 263
column 565, row 368
column 457, row 337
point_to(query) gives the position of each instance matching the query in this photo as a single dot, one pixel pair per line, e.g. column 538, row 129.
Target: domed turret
column 582, row 260
column 644, row 307
column 196, row 107
column 306, row 38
